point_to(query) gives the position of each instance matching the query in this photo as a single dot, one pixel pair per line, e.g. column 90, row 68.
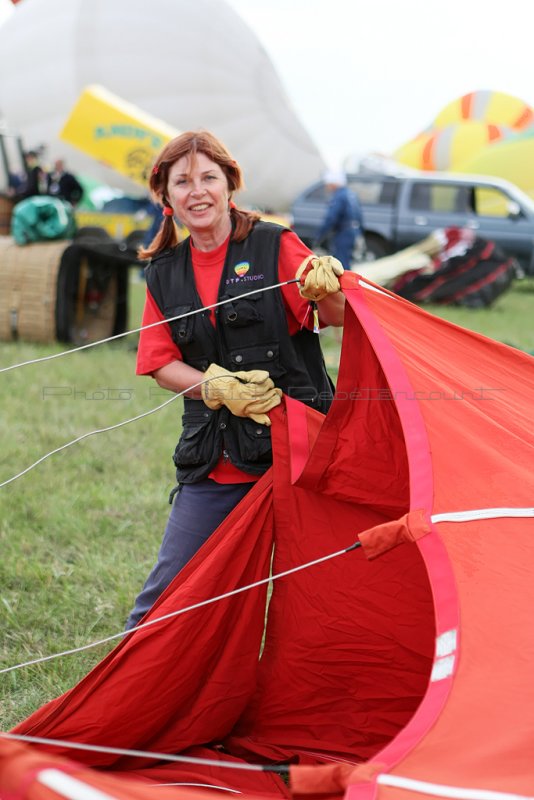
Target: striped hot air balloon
column 512, row 159
column 447, row 148
column 488, row 106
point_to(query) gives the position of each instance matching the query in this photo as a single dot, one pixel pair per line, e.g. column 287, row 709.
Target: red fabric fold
column 186, row 680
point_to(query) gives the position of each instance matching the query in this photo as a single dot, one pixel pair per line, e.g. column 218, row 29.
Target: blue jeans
column 343, row 246
column 198, row 509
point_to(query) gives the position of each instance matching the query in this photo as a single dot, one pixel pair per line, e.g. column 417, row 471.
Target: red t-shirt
column 157, row 347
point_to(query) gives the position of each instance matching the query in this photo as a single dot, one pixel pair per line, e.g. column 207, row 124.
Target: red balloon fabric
column 394, row 654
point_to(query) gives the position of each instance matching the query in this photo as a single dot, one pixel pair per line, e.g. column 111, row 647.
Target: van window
column 388, row 195
column 491, row 202
column 440, row 197
column 375, row 192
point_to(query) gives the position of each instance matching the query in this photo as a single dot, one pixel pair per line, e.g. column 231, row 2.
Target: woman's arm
column 332, row 309
column 178, row 377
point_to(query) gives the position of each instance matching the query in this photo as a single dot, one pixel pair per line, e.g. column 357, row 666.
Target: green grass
column 79, row 533
column 508, row 320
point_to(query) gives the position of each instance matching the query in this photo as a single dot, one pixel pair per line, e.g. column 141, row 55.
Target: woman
column 247, row 351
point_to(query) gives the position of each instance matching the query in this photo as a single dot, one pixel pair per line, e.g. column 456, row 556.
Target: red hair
column 186, row 144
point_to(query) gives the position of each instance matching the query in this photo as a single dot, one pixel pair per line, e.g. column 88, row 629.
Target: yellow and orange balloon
column 447, row 147
column 495, row 108
column 484, row 132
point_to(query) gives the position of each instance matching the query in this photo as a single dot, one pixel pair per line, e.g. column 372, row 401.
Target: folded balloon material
column 467, row 271
column 38, row 219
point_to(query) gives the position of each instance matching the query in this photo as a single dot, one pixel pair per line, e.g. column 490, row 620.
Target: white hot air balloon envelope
column 6, row 8
column 192, row 65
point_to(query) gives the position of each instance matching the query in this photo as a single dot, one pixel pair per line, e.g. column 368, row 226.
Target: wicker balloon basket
column 54, row 291
column 6, row 209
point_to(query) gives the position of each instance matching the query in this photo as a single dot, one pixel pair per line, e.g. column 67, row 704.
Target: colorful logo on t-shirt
column 242, row 268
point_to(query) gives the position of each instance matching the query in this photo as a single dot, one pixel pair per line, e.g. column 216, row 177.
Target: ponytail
column 242, row 222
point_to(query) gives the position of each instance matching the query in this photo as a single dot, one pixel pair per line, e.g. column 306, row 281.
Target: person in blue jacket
column 343, row 222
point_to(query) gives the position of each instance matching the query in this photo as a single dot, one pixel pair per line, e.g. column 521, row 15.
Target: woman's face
column 197, row 190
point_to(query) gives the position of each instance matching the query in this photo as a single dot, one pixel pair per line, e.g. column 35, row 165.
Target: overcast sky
column 367, row 76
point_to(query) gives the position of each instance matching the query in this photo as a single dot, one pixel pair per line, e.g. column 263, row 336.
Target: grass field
column 79, row 533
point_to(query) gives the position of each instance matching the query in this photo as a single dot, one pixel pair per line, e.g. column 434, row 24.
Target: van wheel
column 375, row 247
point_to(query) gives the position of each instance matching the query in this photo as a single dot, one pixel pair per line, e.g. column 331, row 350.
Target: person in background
column 63, row 184
column 232, row 363
column 35, row 180
column 15, row 184
column 343, row 222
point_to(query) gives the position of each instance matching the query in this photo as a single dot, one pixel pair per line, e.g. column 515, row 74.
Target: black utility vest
column 251, row 332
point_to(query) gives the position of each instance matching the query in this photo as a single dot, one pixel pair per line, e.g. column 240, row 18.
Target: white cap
column 335, row 176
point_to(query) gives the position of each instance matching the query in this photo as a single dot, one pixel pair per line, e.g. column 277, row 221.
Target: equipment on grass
column 69, row 291
column 452, row 266
column 58, row 283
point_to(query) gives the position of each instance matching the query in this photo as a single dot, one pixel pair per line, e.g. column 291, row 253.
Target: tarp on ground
column 41, row 218
column 396, row 670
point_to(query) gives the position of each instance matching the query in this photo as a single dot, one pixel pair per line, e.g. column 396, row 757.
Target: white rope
column 139, row 416
column 144, row 327
column 70, row 788
column 118, row 751
column 105, row 430
column 102, row 430
column 177, row 613
column 198, row 786
column 482, row 513
column 441, row 790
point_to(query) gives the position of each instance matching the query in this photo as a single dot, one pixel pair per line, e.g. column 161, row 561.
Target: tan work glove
column 318, row 277
column 246, row 394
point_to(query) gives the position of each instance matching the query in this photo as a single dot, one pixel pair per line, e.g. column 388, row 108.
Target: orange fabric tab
column 324, row 779
column 382, row 538
column 330, row 779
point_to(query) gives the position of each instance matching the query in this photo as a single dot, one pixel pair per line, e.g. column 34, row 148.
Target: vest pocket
column 182, row 329
column 241, row 311
column 258, row 356
column 254, row 442
column 196, row 443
